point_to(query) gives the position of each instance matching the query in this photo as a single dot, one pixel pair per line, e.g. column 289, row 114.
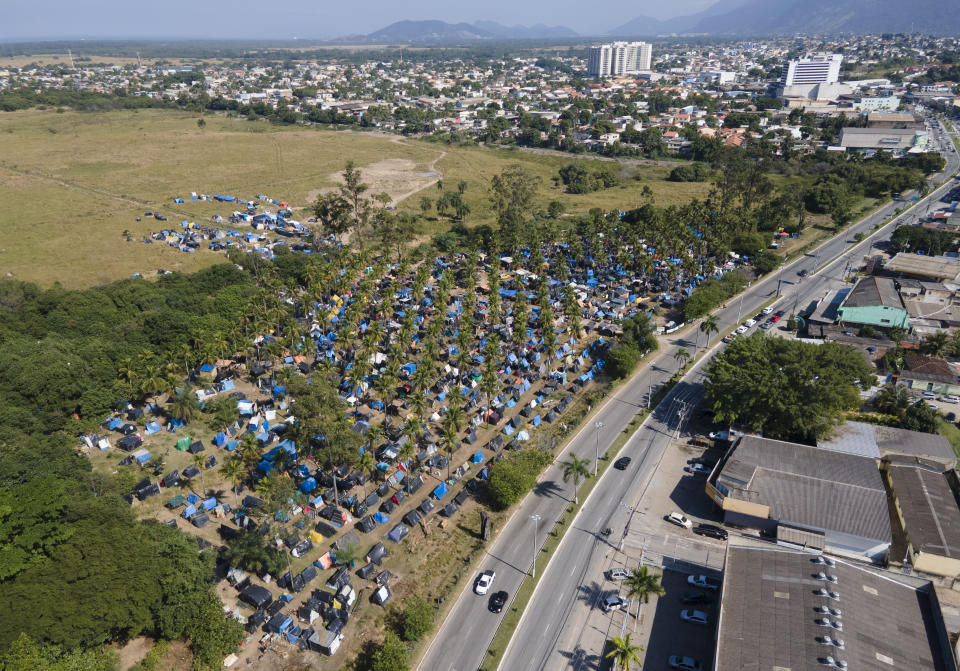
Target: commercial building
column 894, row 140
column 792, row 611
column 815, row 69
column 874, row 301
column 929, row 515
column 924, row 373
column 805, row 496
column 618, row 58
column 907, row 264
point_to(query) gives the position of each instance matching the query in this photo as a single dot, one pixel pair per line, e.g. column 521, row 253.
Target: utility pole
column 536, row 525
column 596, row 464
column 740, row 307
column 779, row 277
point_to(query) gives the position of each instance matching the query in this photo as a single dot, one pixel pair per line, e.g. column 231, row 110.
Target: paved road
column 465, row 635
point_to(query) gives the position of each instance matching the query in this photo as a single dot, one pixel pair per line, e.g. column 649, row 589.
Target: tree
column 425, row 205
column 449, row 442
column 624, row 653
column 512, row 194
column 681, row 356
column 575, row 469
column 391, row 655
column 710, row 324
column 198, row 461
column 416, row 619
column 201, row 123
column 366, row 464
column 785, row 388
column 892, row 399
column 348, row 555
column 641, row 584
column 936, row 345
column 234, row 471
column 515, row 475
column 333, row 214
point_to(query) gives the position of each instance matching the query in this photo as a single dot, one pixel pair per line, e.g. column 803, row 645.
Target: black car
column 621, row 463
column 695, row 598
column 711, row 531
column 497, row 601
column 803, row 273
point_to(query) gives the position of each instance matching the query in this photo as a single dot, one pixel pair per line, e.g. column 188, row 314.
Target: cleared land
column 77, row 181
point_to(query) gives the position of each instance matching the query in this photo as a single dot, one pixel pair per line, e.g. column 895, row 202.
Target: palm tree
column 576, row 469
column 624, row 653
column 198, row 460
column 936, row 344
column 682, row 356
column 455, row 417
column 347, row 555
column 710, row 324
column 892, row 399
column 642, row 584
column 234, row 471
column 366, row 464
column 449, row 442
column 185, row 406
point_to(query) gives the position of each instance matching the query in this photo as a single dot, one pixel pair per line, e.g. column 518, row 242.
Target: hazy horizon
column 218, row 19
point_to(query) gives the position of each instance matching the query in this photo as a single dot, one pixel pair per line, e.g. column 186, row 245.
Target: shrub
column 514, row 476
column 416, row 619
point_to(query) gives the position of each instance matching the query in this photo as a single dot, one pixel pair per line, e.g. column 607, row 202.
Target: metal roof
column 769, row 617
column 809, row 487
column 853, row 438
column 894, row 441
column 941, row 267
column 871, row 291
column 929, row 509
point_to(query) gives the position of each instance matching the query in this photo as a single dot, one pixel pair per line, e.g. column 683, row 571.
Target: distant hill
column 441, row 31
column 771, row 17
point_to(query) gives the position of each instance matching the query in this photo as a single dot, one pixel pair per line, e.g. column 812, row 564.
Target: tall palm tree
column 936, row 345
column 682, row 356
column 234, row 471
column 576, row 469
column 641, row 583
column 198, row 460
column 624, row 653
column 455, row 417
column 366, row 464
column 892, row 399
column 710, row 324
column 449, row 442
column 185, row 406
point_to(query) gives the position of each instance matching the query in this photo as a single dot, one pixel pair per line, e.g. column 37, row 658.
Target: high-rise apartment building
column 815, row 69
column 618, row 58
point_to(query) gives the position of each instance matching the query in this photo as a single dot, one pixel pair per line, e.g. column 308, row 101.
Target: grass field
column 76, row 181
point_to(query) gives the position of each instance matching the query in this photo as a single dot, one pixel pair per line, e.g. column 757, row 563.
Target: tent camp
column 412, row 518
column 377, row 554
column 256, row 596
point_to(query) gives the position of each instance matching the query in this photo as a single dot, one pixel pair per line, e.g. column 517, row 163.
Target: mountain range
column 773, row 17
column 441, row 31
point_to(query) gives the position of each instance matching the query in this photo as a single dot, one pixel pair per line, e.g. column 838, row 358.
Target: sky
column 303, row 19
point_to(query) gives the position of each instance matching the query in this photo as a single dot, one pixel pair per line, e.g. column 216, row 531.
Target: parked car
column 929, row 395
column 684, row 663
column 767, row 310
column 741, row 330
column 932, row 406
column 613, row 603
column 803, row 273
column 749, row 323
column 775, row 318
column 950, row 399
column 618, row 573
column 621, row 463
column 766, row 325
column 693, row 598
column 679, row 520
column 696, row 469
column 711, row 531
column 484, row 581
column 701, row 582
column 497, row 601
column 693, row 616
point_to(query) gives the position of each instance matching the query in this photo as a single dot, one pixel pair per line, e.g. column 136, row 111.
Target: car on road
column 618, row 573
column 693, row 598
column 950, row 399
column 684, row 663
column 621, row 463
column 696, row 469
column 710, row 530
column 484, row 580
column 679, row 520
column 767, row 310
column 701, row 582
column 778, row 314
column 693, row 616
column 750, row 322
column 613, row 603
column 729, row 337
column 497, row 601
column 803, row 273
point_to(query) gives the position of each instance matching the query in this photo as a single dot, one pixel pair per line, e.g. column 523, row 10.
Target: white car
column 679, row 520
column 701, row 582
column 929, row 395
column 750, row 322
column 950, row 399
column 765, row 311
column 618, row 574
column 684, row 663
column 693, row 616
column 741, row 330
column 484, row 582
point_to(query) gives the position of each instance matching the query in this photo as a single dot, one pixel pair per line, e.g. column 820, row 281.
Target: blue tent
column 441, row 491
column 380, row 518
column 208, row 368
column 114, row 423
column 231, row 446
column 189, row 511
column 220, row 439
column 143, row 457
column 152, row 428
column 308, row 485
column 478, row 457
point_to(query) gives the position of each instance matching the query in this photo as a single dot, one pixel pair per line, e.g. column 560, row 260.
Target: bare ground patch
column 397, row 177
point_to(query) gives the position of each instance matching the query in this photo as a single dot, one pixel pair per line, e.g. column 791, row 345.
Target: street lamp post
column 536, row 525
column 596, row 464
column 779, row 276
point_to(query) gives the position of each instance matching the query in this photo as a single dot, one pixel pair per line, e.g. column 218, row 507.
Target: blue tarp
column 210, row 503
column 478, row 457
column 208, row 368
column 144, row 457
column 380, row 518
column 441, row 491
column 308, row 485
column 227, row 385
column 114, row 423
column 152, row 428
column 220, row 439
column 231, row 446
column 189, row 512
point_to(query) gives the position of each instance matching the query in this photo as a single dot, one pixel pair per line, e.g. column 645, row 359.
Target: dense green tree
column 391, row 655
column 416, row 619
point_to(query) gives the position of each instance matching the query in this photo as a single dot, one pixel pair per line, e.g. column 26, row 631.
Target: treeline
column 77, row 569
column 579, row 178
column 638, row 339
column 22, row 98
column 712, row 292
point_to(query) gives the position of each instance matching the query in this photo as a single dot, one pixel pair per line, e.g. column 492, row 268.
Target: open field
column 79, row 180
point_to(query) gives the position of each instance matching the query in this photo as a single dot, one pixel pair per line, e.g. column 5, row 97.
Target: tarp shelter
column 449, row 509
column 196, row 447
column 426, row 507
column 220, row 439
column 412, row 518
column 377, row 554
column 380, row 518
column 324, row 562
column 257, row 596
column 398, row 533
column 327, row 530
column 176, row 501
column 200, row 520
column 210, row 503
column 142, row 456
column 366, row 572
column 478, row 457
column 308, row 485
column 152, row 428
column 339, row 578
column 366, row 525
column 440, row 491
column 183, row 443
column 381, row 596
column 171, row 479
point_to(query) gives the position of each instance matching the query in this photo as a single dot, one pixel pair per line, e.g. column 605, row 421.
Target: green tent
column 184, row 443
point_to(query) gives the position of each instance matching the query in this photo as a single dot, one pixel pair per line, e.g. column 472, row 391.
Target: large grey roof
column 929, row 509
column 768, row 617
column 809, row 486
column 874, row 291
column 894, row 441
column 853, row 438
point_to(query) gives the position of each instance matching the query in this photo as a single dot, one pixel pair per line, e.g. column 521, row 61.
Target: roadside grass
column 512, row 618
column 950, row 431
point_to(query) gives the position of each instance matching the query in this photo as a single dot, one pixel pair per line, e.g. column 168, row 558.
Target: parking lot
column 670, row 635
